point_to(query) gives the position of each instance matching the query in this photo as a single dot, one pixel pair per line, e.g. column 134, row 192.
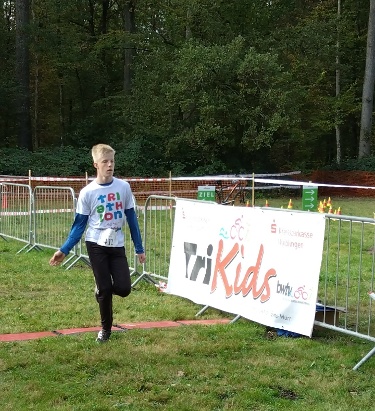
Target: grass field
column 239, row 366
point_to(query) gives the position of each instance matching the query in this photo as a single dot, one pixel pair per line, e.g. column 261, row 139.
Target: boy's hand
column 141, row 258
column 57, row 258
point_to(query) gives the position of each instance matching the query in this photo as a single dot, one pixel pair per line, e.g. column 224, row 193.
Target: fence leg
column 144, row 276
column 80, row 258
column 237, row 317
column 32, row 247
column 133, row 270
column 202, row 310
column 364, row 359
column 69, row 259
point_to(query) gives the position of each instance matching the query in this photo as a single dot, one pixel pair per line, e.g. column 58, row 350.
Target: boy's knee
column 122, row 291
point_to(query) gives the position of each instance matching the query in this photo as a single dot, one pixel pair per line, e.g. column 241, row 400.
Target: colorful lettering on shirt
column 111, row 207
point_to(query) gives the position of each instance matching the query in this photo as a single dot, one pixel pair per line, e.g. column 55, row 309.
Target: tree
column 338, row 85
column 129, row 27
column 189, row 85
column 23, row 74
column 7, row 77
column 368, row 88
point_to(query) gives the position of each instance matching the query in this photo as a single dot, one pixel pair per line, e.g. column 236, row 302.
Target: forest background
column 190, row 87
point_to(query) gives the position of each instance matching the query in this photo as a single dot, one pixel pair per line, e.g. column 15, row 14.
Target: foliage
column 134, row 159
column 216, row 87
column 363, row 164
column 62, row 161
column 139, row 157
column 208, row 84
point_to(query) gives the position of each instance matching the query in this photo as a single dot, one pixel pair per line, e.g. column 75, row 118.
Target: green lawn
column 236, row 366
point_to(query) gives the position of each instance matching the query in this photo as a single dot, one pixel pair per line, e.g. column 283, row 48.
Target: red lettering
column 108, row 216
column 237, row 285
column 266, row 287
column 249, row 282
column 252, row 271
column 221, row 265
column 111, row 197
column 118, row 205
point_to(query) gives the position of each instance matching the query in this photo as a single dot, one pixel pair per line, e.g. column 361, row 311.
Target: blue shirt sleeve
column 135, row 233
column 76, row 233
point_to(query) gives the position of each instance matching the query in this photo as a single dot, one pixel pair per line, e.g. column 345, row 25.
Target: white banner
column 258, row 263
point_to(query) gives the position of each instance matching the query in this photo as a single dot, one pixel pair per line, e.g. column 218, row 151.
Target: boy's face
column 105, row 166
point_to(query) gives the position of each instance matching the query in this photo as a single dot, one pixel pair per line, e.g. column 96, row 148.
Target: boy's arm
column 76, row 232
column 135, row 233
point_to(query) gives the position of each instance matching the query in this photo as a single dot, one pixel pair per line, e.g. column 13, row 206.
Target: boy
column 104, row 205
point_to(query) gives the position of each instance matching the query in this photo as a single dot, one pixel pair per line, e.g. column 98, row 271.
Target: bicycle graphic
column 237, row 230
column 300, row 292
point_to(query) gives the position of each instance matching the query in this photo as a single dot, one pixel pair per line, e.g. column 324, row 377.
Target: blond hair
column 100, row 150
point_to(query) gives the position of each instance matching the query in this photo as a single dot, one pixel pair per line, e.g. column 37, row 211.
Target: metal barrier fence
column 42, row 218
column 158, row 214
column 16, row 203
column 347, row 278
column 53, row 212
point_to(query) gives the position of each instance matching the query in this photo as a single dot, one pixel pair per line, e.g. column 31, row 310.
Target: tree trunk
column 338, row 85
column 129, row 26
column 23, row 74
column 368, row 88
